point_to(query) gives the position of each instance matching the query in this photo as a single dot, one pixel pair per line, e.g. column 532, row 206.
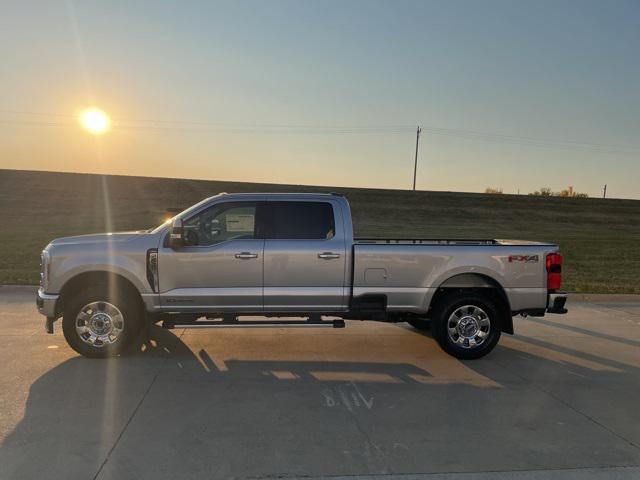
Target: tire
column 466, row 325
column 419, row 323
column 100, row 322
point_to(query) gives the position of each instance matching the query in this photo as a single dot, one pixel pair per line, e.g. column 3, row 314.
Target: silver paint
column 298, row 275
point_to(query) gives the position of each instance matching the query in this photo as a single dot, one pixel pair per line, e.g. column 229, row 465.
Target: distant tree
column 493, row 191
column 543, row 192
column 571, row 193
column 568, row 192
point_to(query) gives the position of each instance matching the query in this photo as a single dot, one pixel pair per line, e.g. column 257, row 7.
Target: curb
column 18, row 288
column 604, row 297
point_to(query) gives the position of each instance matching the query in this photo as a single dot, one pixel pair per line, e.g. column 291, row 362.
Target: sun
column 94, row 121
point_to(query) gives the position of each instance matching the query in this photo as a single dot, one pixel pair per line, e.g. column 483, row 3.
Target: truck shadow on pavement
column 170, row 411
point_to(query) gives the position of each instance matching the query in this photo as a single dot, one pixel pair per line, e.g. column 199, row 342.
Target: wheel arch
column 477, row 283
column 109, row 279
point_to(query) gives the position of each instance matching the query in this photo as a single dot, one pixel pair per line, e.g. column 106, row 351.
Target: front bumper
column 555, row 302
column 46, row 303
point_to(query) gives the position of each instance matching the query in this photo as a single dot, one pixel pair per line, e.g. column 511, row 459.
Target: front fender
column 134, row 270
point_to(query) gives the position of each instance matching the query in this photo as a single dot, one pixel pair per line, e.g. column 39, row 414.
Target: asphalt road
column 560, row 400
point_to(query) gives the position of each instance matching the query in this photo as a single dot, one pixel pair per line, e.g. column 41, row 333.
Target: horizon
column 311, row 185
column 510, row 96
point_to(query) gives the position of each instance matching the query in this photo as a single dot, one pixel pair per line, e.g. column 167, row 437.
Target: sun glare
column 94, row 121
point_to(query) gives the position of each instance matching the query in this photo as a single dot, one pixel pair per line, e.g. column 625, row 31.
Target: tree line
column 568, row 192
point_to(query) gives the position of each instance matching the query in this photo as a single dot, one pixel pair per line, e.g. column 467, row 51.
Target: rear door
column 304, row 256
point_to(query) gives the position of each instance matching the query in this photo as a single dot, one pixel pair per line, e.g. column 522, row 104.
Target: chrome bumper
column 46, row 303
column 555, row 303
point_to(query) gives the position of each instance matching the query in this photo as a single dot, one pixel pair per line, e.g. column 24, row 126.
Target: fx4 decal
column 523, row 258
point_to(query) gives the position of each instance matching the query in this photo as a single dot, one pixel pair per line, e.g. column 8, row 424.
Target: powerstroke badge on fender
column 523, row 258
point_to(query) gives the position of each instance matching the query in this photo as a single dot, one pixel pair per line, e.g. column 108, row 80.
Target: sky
column 510, row 94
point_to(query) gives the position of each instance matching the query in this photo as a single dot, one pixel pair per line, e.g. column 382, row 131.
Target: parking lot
column 558, row 400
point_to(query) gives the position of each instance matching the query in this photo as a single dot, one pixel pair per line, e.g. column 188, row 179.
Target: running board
column 255, row 324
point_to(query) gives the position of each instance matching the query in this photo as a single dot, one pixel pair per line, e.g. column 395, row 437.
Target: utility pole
column 415, row 165
column 604, row 191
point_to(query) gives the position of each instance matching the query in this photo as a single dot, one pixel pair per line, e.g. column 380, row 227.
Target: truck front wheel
column 101, row 322
column 466, row 325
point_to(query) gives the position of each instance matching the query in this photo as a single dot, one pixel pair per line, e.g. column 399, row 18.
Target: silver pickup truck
column 289, row 255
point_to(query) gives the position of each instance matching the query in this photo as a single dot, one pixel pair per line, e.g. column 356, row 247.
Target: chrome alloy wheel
column 468, row 326
column 99, row 324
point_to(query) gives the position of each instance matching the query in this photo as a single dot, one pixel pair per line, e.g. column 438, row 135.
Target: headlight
column 45, row 264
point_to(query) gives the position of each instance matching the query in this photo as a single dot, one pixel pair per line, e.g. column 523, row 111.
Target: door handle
column 328, row 255
column 246, row 255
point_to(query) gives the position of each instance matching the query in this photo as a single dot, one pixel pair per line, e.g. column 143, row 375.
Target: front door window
column 221, row 223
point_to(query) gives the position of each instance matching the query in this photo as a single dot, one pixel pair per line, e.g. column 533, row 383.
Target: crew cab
column 290, row 255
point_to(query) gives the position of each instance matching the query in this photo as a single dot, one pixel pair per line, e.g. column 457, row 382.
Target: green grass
column 600, row 239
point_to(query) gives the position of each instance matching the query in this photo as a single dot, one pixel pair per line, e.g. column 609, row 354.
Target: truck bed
column 408, row 271
column 446, row 241
column 424, row 241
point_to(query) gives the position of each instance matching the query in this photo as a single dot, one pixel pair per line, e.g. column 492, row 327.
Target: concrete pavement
column 557, row 401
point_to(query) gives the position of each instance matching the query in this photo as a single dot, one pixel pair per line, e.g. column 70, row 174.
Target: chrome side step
column 255, row 324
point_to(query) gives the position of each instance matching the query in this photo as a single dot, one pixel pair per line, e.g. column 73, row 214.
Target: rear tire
column 466, row 325
column 102, row 322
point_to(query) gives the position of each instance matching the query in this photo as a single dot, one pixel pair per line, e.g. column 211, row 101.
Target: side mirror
column 176, row 235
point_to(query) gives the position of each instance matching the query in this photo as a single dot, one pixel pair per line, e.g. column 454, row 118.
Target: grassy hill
column 599, row 238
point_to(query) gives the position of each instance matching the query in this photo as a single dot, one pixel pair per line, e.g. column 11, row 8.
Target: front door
column 304, row 257
column 220, row 267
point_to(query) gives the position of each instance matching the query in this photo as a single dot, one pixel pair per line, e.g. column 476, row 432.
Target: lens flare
column 94, row 121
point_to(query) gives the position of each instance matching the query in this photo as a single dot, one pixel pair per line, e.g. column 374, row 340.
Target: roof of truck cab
column 277, row 195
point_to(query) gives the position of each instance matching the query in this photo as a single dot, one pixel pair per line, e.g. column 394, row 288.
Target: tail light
column 554, row 271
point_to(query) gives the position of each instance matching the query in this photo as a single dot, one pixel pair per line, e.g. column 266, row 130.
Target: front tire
column 101, row 322
column 466, row 325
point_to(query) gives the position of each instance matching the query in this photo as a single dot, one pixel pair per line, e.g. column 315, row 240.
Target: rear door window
column 300, row 221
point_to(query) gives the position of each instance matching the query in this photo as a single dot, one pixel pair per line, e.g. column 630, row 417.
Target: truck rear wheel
column 466, row 325
column 101, row 322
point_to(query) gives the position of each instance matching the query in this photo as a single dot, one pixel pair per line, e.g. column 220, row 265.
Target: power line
column 133, row 122
column 521, row 140
column 122, row 123
column 229, row 129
